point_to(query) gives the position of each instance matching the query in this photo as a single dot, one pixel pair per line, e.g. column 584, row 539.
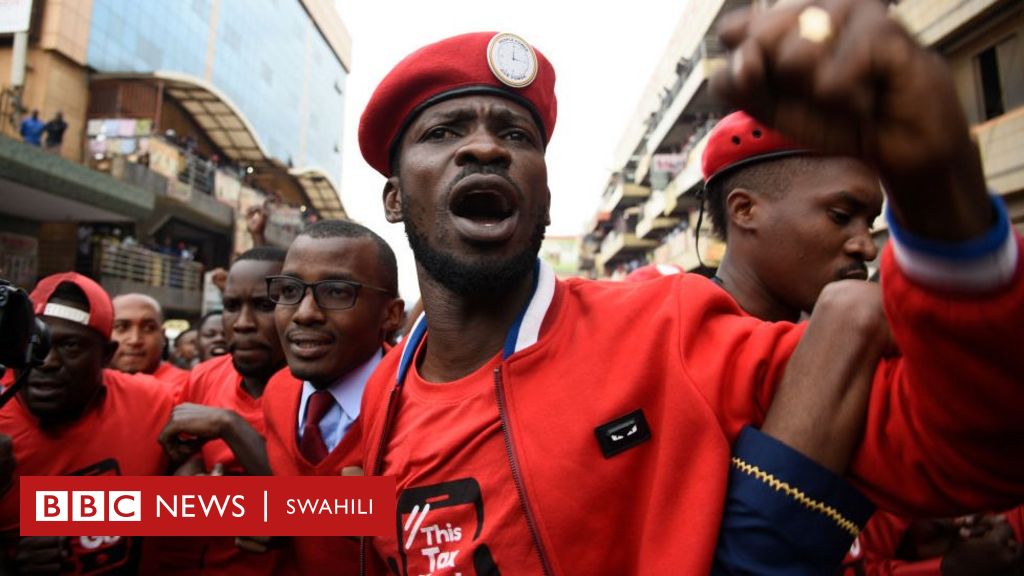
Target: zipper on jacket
column 378, row 462
column 516, row 477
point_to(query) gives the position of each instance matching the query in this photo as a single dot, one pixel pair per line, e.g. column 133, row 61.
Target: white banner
column 15, row 16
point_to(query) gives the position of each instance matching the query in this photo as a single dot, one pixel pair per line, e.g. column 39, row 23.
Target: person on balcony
column 32, row 129
column 54, row 130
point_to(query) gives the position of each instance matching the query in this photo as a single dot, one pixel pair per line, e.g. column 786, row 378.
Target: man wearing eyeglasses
column 336, row 300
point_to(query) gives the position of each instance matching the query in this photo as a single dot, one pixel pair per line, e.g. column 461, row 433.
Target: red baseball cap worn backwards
column 738, row 140
column 99, row 317
column 502, row 64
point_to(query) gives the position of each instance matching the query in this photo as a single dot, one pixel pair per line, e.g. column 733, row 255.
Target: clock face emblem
column 512, row 60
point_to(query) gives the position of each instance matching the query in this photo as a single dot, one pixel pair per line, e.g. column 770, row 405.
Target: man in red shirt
column 627, row 425
column 222, row 395
column 70, row 419
column 793, row 220
column 337, row 299
column 767, row 194
column 139, row 333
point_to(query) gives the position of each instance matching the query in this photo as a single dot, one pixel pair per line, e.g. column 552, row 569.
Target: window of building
column 991, row 87
column 1000, row 83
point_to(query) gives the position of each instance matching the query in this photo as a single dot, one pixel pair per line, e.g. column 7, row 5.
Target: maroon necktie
column 312, row 444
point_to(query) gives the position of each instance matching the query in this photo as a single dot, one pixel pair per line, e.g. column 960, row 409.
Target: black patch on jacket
column 623, row 433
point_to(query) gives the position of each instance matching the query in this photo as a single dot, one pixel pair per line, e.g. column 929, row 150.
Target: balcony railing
column 653, row 217
column 174, row 282
column 1001, row 140
column 677, row 197
column 932, row 21
column 623, row 195
column 202, row 204
column 622, row 244
column 197, row 174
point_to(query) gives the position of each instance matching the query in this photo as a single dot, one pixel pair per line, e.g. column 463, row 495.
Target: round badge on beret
column 512, row 60
column 476, row 63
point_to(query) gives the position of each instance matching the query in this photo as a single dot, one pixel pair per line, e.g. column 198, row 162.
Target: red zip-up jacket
column 943, row 419
column 309, row 554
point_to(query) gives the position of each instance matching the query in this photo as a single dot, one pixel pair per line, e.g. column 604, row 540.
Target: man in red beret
column 71, row 418
column 793, row 220
column 796, row 222
column 533, row 407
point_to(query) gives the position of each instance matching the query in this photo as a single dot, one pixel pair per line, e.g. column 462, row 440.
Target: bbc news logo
column 89, row 506
column 206, row 505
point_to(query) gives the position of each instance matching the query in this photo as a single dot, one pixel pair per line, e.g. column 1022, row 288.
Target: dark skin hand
column 257, row 544
column 41, row 554
column 194, row 466
column 987, row 547
column 7, row 463
column 192, row 425
column 868, row 90
column 260, row 544
column 820, row 406
column 927, row 538
column 219, row 278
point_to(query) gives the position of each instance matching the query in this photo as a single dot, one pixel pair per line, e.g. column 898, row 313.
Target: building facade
column 649, row 210
column 181, row 117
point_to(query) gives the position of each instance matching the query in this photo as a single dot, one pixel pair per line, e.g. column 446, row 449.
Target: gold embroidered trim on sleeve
column 796, row 494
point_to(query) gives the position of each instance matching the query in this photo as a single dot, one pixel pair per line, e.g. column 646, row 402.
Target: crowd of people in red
column 748, row 423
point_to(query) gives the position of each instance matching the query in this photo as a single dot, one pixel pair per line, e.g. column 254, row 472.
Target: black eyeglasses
column 328, row 294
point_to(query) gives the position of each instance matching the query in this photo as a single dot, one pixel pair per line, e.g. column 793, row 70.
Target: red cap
column 99, row 317
column 739, row 139
column 479, row 63
column 652, row 271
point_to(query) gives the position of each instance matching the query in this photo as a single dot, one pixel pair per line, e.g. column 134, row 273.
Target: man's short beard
column 261, row 372
column 474, row 280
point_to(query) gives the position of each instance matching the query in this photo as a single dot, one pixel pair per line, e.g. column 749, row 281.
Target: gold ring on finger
column 815, row 24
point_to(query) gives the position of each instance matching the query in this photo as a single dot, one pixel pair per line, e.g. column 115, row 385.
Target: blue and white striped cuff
column 978, row 265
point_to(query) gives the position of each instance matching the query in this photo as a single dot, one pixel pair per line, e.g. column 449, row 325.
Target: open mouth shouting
column 484, row 208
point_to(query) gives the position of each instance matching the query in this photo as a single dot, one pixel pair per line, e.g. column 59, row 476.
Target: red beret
column 99, row 316
column 738, row 139
column 479, row 63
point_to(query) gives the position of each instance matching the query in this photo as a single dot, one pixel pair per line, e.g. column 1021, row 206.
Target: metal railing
column 142, row 265
column 197, row 173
